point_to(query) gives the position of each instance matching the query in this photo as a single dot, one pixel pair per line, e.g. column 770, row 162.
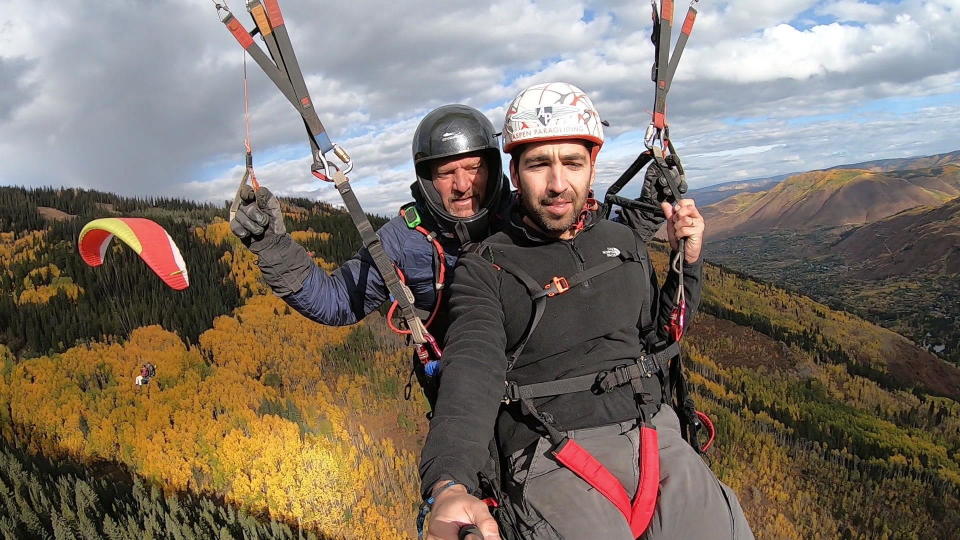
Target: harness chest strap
column 558, row 285
column 645, row 367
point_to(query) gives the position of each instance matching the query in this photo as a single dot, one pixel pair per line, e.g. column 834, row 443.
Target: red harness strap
column 638, row 513
column 645, row 500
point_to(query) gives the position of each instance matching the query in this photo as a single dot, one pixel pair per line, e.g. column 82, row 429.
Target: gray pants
column 553, row 503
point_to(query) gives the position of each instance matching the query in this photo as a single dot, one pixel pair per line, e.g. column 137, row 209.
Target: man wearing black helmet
column 458, row 196
column 459, row 174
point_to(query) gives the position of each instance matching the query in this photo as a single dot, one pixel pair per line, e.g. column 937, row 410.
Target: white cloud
column 853, row 11
column 145, row 98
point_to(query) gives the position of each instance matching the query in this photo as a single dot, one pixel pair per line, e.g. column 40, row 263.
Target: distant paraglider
column 145, row 237
column 147, row 372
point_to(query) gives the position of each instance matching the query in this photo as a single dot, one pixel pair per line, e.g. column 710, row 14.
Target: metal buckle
column 648, row 365
column 559, row 283
column 613, row 378
column 511, row 392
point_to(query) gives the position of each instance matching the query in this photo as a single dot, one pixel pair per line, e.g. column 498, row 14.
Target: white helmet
column 551, row 111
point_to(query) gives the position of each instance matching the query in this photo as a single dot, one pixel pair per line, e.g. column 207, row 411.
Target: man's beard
column 546, row 222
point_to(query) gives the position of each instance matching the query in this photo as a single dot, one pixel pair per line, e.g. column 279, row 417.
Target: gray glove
column 258, row 219
column 655, row 186
column 647, row 221
column 258, row 223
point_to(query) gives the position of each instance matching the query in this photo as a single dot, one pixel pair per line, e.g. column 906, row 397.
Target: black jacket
column 593, row 327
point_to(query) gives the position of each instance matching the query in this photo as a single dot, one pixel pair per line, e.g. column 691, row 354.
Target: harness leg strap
column 645, row 501
column 637, row 513
column 583, row 464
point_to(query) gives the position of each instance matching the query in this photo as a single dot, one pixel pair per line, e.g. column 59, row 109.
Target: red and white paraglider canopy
column 145, row 237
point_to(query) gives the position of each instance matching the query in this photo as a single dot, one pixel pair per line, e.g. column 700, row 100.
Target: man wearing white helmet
column 564, row 308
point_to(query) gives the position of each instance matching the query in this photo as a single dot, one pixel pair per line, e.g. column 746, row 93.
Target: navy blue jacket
column 356, row 288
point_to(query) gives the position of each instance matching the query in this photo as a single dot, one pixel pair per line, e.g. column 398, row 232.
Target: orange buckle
column 559, row 283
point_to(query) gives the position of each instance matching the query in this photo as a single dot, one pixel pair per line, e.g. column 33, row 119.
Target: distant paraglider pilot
column 147, row 372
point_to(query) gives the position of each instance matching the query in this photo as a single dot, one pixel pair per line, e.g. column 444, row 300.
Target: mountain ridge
column 833, row 198
column 924, row 236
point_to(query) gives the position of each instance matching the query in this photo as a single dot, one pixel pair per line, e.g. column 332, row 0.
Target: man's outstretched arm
column 471, row 386
column 340, row 298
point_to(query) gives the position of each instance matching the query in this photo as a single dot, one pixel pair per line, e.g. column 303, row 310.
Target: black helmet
column 448, row 131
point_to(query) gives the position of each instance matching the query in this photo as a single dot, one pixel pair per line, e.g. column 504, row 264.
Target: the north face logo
column 611, row 252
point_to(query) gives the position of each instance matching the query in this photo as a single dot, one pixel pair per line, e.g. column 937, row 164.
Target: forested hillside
column 70, row 500
column 47, row 285
column 828, row 426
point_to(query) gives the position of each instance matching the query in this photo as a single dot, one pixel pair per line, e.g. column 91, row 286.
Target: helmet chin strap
column 462, row 232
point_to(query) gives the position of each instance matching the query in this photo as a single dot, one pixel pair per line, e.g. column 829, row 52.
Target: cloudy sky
column 145, row 97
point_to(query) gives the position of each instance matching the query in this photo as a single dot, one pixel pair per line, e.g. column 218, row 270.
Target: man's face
column 461, row 182
column 554, row 179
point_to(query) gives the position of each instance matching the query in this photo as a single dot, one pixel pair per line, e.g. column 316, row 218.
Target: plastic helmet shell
column 449, row 131
column 549, row 112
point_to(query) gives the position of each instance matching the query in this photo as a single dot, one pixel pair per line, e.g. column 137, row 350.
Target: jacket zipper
column 578, row 258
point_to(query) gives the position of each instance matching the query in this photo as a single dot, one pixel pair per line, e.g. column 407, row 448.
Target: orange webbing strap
column 288, row 78
column 662, row 61
column 639, row 512
column 666, row 65
column 259, row 15
column 685, row 31
column 292, row 68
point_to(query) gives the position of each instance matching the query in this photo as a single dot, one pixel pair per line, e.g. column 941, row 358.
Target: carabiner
column 344, row 158
column 222, row 8
column 650, row 136
column 321, row 167
column 434, row 347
